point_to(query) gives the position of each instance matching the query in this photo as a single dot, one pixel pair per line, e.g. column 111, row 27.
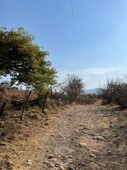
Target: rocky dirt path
column 80, row 138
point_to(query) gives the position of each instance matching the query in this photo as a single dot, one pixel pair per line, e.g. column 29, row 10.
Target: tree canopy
column 23, row 60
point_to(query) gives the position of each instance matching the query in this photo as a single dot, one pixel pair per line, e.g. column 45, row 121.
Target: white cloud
column 97, row 71
column 92, row 77
column 89, row 71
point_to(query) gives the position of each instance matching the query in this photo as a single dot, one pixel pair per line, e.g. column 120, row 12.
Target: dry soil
column 91, row 137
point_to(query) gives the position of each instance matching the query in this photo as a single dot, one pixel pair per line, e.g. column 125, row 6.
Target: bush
column 115, row 91
column 87, row 99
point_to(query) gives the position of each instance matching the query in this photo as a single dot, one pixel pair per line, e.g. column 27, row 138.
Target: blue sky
column 101, row 34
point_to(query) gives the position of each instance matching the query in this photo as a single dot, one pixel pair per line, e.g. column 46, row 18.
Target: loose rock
column 29, row 162
column 100, row 138
column 82, row 144
column 62, row 167
column 49, row 164
column 92, row 155
column 94, row 151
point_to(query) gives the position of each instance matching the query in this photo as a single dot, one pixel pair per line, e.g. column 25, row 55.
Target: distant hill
column 91, row 91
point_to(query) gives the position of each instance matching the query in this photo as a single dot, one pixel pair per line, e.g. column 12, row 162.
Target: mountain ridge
column 91, row 91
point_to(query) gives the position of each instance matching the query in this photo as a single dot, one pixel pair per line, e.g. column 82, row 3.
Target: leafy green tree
column 23, row 60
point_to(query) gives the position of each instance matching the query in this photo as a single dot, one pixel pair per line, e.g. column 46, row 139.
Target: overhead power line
column 75, row 35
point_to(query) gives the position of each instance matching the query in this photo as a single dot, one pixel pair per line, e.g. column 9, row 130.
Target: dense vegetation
column 114, row 92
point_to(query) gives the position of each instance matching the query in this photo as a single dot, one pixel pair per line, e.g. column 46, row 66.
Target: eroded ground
column 77, row 138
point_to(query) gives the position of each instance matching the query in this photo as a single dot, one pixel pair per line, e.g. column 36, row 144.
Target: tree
column 23, row 60
column 73, row 87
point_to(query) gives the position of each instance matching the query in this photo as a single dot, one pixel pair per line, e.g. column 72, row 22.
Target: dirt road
column 78, row 138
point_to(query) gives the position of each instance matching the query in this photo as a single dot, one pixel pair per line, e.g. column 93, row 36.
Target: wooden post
column 24, row 105
column 2, row 108
column 44, row 101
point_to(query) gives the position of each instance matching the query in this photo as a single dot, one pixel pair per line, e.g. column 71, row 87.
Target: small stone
column 103, row 165
column 110, row 153
column 10, row 164
column 49, row 164
column 92, row 155
column 14, row 156
column 29, row 162
column 100, row 138
column 62, row 167
column 93, row 165
column 77, row 130
column 82, row 144
column 62, row 158
column 56, row 165
column 94, row 151
column 20, row 152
